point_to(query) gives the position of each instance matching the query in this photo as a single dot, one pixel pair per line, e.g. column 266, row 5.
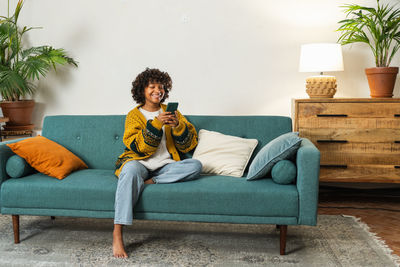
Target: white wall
column 225, row 56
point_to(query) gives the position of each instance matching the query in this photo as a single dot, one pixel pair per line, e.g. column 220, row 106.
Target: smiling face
column 154, row 94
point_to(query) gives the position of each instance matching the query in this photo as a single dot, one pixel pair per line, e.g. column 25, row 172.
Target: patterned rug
column 336, row 241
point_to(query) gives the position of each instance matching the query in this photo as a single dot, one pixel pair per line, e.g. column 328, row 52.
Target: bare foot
column 149, row 181
column 118, row 242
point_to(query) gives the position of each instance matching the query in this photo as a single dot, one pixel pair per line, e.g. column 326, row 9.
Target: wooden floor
column 378, row 207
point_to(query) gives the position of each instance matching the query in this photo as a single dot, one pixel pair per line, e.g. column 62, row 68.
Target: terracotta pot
column 381, row 80
column 19, row 114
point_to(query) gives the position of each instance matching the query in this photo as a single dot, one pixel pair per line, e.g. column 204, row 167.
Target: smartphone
column 172, row 107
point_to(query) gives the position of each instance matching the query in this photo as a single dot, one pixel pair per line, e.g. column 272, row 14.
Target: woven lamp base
column 321, row 86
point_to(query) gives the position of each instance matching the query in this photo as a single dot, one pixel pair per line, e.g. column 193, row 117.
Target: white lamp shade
column 321, row 57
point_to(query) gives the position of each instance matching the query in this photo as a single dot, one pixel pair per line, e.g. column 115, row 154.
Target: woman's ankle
column 149, row 181
column 118, row 229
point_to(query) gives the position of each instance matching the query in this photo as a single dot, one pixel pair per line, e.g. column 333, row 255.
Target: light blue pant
column 131, row 183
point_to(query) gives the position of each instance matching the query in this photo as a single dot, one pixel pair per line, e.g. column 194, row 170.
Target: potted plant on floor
column 20, row 66
column 379, row 29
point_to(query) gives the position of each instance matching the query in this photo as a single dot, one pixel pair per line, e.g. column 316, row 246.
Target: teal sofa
column 97, row 140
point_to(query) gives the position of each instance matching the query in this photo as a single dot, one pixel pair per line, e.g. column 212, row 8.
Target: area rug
column 336, row 241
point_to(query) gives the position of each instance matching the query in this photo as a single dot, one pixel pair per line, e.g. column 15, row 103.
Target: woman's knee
column 195, row 165
column 133, row 170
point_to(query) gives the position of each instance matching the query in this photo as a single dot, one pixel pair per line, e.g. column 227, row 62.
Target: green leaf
column 33, row 67
column 18, row 9
column 378, row 27
column 13, row 85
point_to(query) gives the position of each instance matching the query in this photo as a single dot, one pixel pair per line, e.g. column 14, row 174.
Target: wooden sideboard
column 359, row 138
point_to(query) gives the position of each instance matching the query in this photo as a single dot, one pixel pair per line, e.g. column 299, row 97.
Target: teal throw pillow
column 280, row 148
column 17, row 167
column 284, row 172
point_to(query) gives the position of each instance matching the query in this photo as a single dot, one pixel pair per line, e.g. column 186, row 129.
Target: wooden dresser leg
column 15, row 220
column 283, row 231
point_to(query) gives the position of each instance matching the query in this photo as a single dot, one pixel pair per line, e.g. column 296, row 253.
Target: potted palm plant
column 20, row 66
column 379, row 29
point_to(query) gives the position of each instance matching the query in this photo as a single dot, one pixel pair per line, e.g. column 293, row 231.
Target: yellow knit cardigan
column 141, row 137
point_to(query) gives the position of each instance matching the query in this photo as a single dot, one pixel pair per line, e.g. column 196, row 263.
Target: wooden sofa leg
column 15, row 220
column 283, row 231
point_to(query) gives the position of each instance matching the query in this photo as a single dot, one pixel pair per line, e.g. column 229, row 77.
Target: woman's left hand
column 173, row 120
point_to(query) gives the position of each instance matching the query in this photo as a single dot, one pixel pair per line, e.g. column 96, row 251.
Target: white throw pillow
column 223, row 154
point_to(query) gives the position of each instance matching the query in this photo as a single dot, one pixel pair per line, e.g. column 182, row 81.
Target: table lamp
column 320, row 57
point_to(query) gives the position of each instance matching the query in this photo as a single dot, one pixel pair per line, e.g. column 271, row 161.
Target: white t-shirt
column 161, row 157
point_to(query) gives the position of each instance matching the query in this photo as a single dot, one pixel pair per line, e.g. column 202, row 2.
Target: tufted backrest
column 97, row 139
column 262, row 128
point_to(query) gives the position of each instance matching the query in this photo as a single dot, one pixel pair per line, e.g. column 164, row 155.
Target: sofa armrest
column 308, row 162
column 5, row 153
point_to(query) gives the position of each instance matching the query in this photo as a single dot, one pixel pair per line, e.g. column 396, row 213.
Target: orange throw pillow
column 47, row 156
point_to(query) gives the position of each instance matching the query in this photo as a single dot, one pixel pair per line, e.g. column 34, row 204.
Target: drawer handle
column 397, row 167
column 335, row 115
column 397, row 142
column 397, row 115
column 332, row 141
column 334, row 166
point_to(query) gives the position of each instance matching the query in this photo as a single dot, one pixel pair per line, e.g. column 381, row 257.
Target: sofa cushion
column 47, row 156
column 209, row 195
column 221, row 195
column 282, row 147
column 17, row 167
column 223, row 154
column 85, row 190
column 284, row 172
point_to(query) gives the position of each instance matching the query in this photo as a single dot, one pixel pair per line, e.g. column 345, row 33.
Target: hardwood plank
column 348, row 123
column 361, row 173
column 356, row 110
column 360, row 158
column 351, row 135
column 357, row 147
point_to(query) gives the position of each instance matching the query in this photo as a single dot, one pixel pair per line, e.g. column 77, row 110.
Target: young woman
column 153, row 138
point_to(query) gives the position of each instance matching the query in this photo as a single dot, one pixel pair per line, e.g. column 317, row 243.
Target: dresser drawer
column 340, row 158
column 360, row 173
column 349, row 110
column 348, row 123
column 335, row 135
column 359, row 153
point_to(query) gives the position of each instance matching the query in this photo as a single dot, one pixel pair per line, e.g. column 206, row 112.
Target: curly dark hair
column 145, row 78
